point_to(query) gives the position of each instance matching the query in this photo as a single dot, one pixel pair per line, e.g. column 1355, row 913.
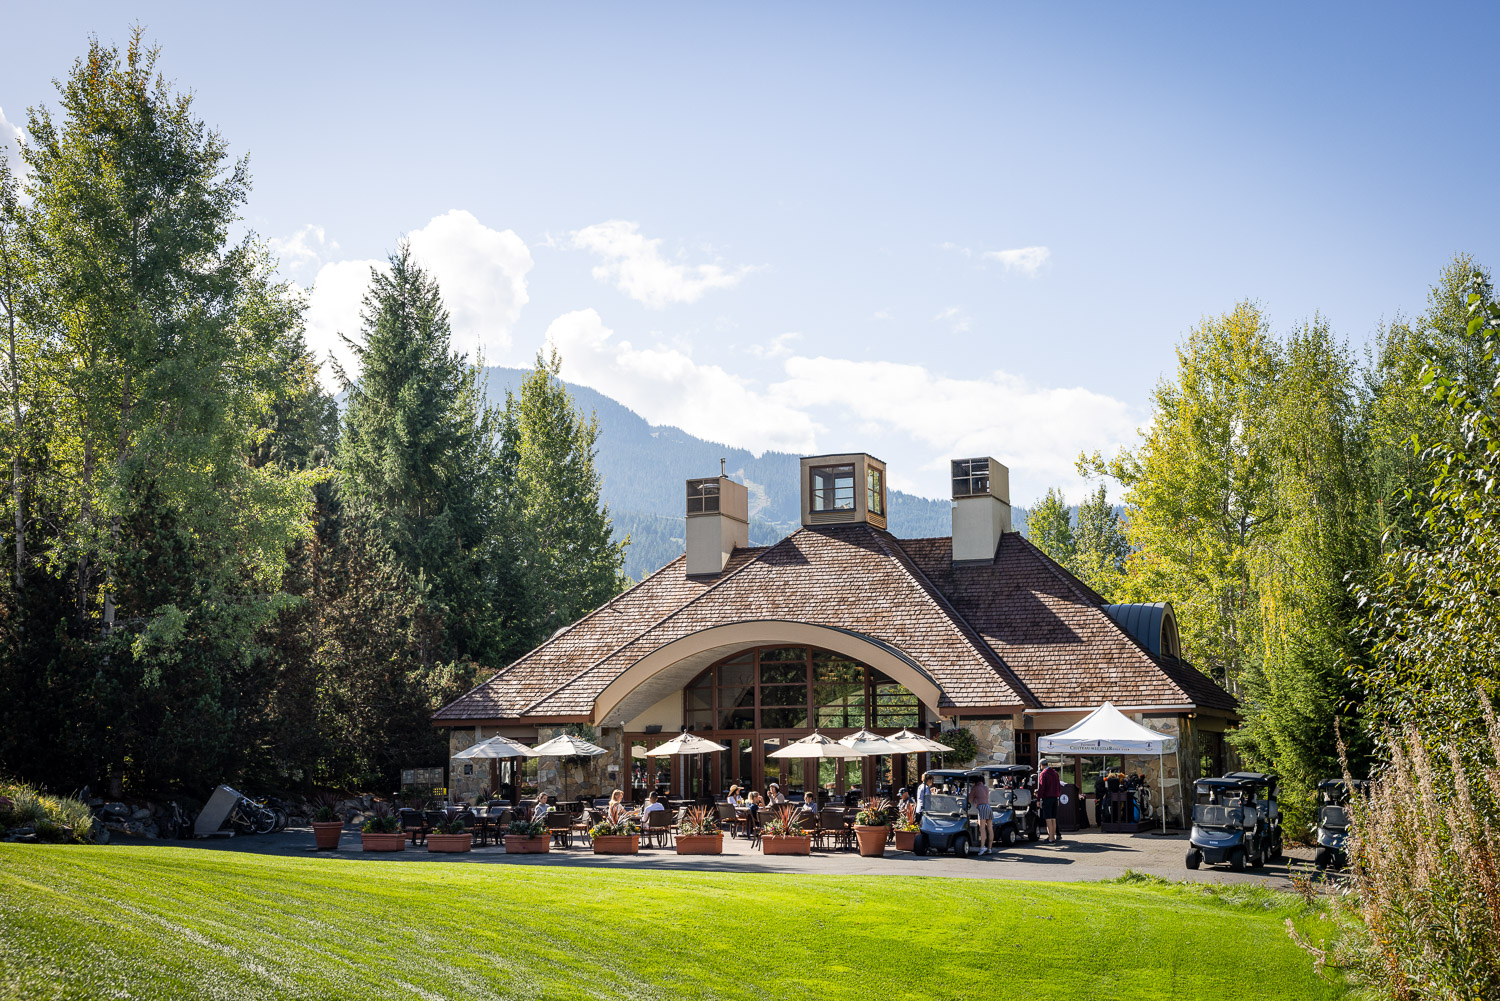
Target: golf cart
column 1333, row 821
column 1016, row 815
column 953, row 781
column 1270, row 814
column 1227, row 825
column 944, row 825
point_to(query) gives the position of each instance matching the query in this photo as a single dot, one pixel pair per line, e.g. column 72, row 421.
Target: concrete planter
column 871, row 839
column 700, row 844
column 517, row 845
column 617, row 844
column 450, row 842
column 326, row 834
column 791, row 844
column 394, row 841
column 906, row 841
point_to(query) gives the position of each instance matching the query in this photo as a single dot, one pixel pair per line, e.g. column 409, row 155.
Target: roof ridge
column 960, row 624
column 722, row 579
column 558, row 634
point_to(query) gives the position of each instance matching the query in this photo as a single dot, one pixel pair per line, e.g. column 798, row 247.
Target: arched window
column 796, row 688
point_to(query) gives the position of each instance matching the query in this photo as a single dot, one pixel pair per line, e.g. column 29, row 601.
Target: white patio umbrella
column 916, row 743
column 683, row 744
column 495, row 748
column 565, row 745
column 815, row 745
column 866, row 742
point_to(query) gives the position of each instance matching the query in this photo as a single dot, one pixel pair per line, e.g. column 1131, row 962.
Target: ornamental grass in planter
column 781, row 836
column 699, row 834
column 327, row 825
column 622, row 838
column 450, row 834
column 527, row 837
column 872, row 825
column 382, row 832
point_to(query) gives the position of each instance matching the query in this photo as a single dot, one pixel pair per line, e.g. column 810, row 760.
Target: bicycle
column 250, row 817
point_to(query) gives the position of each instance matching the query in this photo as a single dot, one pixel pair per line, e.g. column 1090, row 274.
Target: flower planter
column 791, row 844
column 617, row 844
column 700, row 844
column 326, row 834
column 449, row 842
column 515, row 844
column 394, row 841
column 871, row 839
column 906, row 841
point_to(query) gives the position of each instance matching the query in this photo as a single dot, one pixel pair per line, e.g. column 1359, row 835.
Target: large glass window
column 832, row 488
column 874, row 490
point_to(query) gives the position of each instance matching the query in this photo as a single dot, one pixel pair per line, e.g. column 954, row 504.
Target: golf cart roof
column 1341, row 784
column 1001, row 770
column 1259, row 778
column 946, row 773
column 1227, row 782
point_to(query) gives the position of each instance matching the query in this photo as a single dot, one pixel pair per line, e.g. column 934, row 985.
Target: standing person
column 1049, row 788
column 979, row 797
column 924, row 794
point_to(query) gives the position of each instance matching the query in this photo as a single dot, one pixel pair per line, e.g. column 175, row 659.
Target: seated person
column 653, row 805
column 773, row 795
column 810, row 802
column 542, row 809
column 752, row 818
column 734, row 798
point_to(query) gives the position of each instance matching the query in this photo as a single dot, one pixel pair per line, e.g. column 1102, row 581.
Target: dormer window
column 874, row 490
column 832, row 488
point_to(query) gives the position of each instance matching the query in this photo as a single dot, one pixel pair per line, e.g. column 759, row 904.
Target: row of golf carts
column 946, row 823
column 1236, row 820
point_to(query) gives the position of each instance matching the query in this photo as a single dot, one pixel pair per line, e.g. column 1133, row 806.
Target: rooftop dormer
column 843, row 490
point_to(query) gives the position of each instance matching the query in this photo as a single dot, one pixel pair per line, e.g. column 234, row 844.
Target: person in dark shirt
column 1048, row 789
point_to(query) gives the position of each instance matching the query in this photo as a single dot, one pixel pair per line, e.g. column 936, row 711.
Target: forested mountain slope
column 644, row 466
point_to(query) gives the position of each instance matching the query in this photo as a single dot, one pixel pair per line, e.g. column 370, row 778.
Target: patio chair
column 831, row 830
column 727, row 818
column 413, row 825
column 659, row 828
column 560, row 825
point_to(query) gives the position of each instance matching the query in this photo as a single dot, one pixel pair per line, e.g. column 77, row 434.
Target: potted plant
column 872, row 826
column 698, row 833
column 781, row 836
column 527, row 837
column 905, row 828
column 382, row 831
column 327, row 825
column 450, row 834
column 622, row 838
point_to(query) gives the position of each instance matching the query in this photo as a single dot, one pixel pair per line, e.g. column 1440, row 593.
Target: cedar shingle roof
column 1017, row 631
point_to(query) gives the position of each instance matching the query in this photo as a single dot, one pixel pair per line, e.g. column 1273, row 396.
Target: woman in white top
column 734, row 798
column 616, row 812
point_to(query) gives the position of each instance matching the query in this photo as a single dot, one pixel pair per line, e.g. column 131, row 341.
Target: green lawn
column 188, row 923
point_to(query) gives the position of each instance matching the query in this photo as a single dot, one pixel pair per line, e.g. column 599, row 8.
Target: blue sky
column 924, row 232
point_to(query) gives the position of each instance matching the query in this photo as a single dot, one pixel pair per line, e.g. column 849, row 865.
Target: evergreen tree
column 1101, row 548
column 1049, row 526
column 418, row 454
column 562, row 548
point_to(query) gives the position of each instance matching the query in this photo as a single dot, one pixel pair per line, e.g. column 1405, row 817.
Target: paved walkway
column 1086, row 855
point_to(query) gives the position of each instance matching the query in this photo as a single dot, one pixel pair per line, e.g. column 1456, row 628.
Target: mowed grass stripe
column 160, row 922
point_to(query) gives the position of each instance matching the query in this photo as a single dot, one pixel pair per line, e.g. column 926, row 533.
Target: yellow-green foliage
column 52, row 816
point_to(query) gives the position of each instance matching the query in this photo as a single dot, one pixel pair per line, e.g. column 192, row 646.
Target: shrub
column 381, row 821
column 1423, row 920
column 873, row 812
column 607, row 829
column 783, row 823
column 965, row 747
column 698, row 820
column 526, row 828
column 452, row 823
column 55, row 818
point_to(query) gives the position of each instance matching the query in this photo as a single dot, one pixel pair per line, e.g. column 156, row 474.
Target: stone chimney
column 718, row 521
column 981, row 508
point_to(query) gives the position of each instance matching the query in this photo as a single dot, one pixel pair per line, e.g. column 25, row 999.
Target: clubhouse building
column 839, row 627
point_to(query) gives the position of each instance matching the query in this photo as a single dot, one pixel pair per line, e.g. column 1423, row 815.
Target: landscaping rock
column 143, row 813
column 115, row 810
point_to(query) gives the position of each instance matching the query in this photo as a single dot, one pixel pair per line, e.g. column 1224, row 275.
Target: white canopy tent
column 1106, row 730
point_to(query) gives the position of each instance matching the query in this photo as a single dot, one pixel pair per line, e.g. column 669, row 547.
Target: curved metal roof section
column 1143, row 621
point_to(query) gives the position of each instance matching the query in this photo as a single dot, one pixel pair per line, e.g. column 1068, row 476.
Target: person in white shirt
column 542, row 809
column 652, row 806
column 734, row 798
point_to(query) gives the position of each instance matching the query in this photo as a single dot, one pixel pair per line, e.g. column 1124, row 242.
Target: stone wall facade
column 996, row 739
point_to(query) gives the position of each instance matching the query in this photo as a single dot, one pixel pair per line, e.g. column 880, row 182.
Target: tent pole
column 1161, row 769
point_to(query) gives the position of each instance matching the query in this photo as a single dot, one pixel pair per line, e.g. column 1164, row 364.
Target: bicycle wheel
column 265, row 821
column 281, row 819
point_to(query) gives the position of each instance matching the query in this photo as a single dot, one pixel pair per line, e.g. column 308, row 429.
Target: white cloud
column 883, row 314
column 10, row 147
column 481, row 272
column 1026, row 260
column 668, row 387
column 956, row 318
column 307, row 247
column 634, row 265
column 780, row 346
column 915, row 418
